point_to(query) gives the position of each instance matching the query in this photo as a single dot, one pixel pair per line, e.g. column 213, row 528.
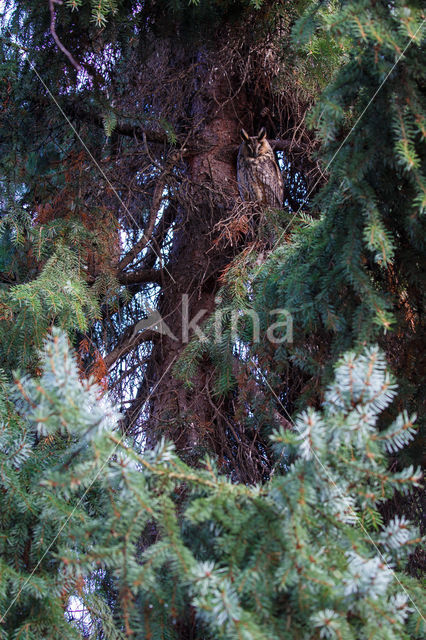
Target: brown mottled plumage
column 259, row 177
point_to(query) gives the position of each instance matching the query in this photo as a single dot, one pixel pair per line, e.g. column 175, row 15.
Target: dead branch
column 155, row 206
column 59, row 44
column 128, row 343
column 125, row 129
column 141, row 276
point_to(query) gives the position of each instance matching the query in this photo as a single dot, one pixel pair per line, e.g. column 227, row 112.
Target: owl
column 259, row 177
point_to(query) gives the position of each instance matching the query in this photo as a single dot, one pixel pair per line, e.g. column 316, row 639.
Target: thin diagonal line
column 97, row 165
column 3, row 617
column 342, row 495
column 331, row 480
column 347, row 136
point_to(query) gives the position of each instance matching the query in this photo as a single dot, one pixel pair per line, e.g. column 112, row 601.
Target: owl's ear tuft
column 244, row 135
column 262, row 134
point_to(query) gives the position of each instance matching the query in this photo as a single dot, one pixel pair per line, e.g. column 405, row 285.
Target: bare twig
column 155, row 206
column 59, row 44
column 128, row 343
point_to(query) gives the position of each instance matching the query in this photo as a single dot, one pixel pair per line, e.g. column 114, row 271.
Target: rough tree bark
column 209, row 94
column 173, row 190
column 195, row 262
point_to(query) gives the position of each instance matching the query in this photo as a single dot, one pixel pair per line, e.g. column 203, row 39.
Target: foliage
column 59, row 295
column 353, row 272
column 297, row 557
column 105, row 537
column 36, row 520
column 371, row 229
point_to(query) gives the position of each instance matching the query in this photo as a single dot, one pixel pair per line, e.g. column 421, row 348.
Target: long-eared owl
column 259, row 177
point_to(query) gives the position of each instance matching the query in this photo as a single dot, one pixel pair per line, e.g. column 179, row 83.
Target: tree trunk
column 195, row 264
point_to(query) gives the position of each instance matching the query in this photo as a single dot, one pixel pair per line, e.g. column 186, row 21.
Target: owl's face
column 255, row 146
